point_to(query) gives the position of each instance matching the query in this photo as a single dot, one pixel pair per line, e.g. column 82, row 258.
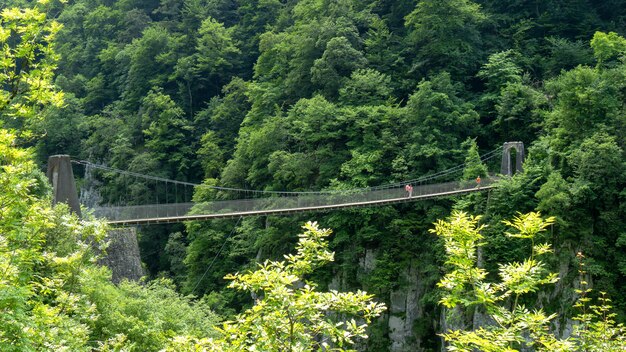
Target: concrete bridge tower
column 507, row 167
column 61, row 177
column 122, row 255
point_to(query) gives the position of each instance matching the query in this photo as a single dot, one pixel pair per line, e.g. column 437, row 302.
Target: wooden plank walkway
column 320, row 208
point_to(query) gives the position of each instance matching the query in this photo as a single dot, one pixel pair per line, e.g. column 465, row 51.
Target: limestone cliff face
column 405, row 309
column 405, row 305
column 413, row 324
column 122, row 255
column 89, row 196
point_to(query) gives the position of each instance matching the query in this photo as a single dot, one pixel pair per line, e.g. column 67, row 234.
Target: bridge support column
column 507, row 167
column 122, row 255
column 61, row 177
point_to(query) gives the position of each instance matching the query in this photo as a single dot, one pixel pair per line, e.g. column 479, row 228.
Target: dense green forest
column 318, row 95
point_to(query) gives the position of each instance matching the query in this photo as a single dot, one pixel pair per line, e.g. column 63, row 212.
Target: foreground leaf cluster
column 27, row 62
column 289, row 314
column 53, row 294
column 514, row 327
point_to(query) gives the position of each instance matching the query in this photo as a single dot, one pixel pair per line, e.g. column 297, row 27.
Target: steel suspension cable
column 439, row 174
column 217, row 254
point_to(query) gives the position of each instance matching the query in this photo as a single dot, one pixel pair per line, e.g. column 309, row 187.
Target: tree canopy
column 309, row 95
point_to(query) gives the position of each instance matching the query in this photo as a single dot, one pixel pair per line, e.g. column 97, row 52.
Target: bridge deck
column 290, row 210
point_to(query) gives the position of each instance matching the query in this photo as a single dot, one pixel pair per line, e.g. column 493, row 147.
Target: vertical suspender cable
column 216, row 255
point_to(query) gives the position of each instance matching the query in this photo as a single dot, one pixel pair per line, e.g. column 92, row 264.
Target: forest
column 318, row 95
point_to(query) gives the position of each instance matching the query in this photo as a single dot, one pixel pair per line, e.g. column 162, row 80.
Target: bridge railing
column 306, row 202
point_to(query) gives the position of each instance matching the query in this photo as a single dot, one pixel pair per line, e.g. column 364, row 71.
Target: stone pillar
column 61, row 177
column 122, row 255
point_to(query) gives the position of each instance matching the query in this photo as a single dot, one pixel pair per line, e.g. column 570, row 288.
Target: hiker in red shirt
column 478, row 181
column 409, row 190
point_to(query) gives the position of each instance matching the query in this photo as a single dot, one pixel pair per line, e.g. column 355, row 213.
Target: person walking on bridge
column 478, row 181
column 409, row 190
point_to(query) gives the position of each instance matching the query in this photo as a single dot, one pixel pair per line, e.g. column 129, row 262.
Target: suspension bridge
column 171, row 202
